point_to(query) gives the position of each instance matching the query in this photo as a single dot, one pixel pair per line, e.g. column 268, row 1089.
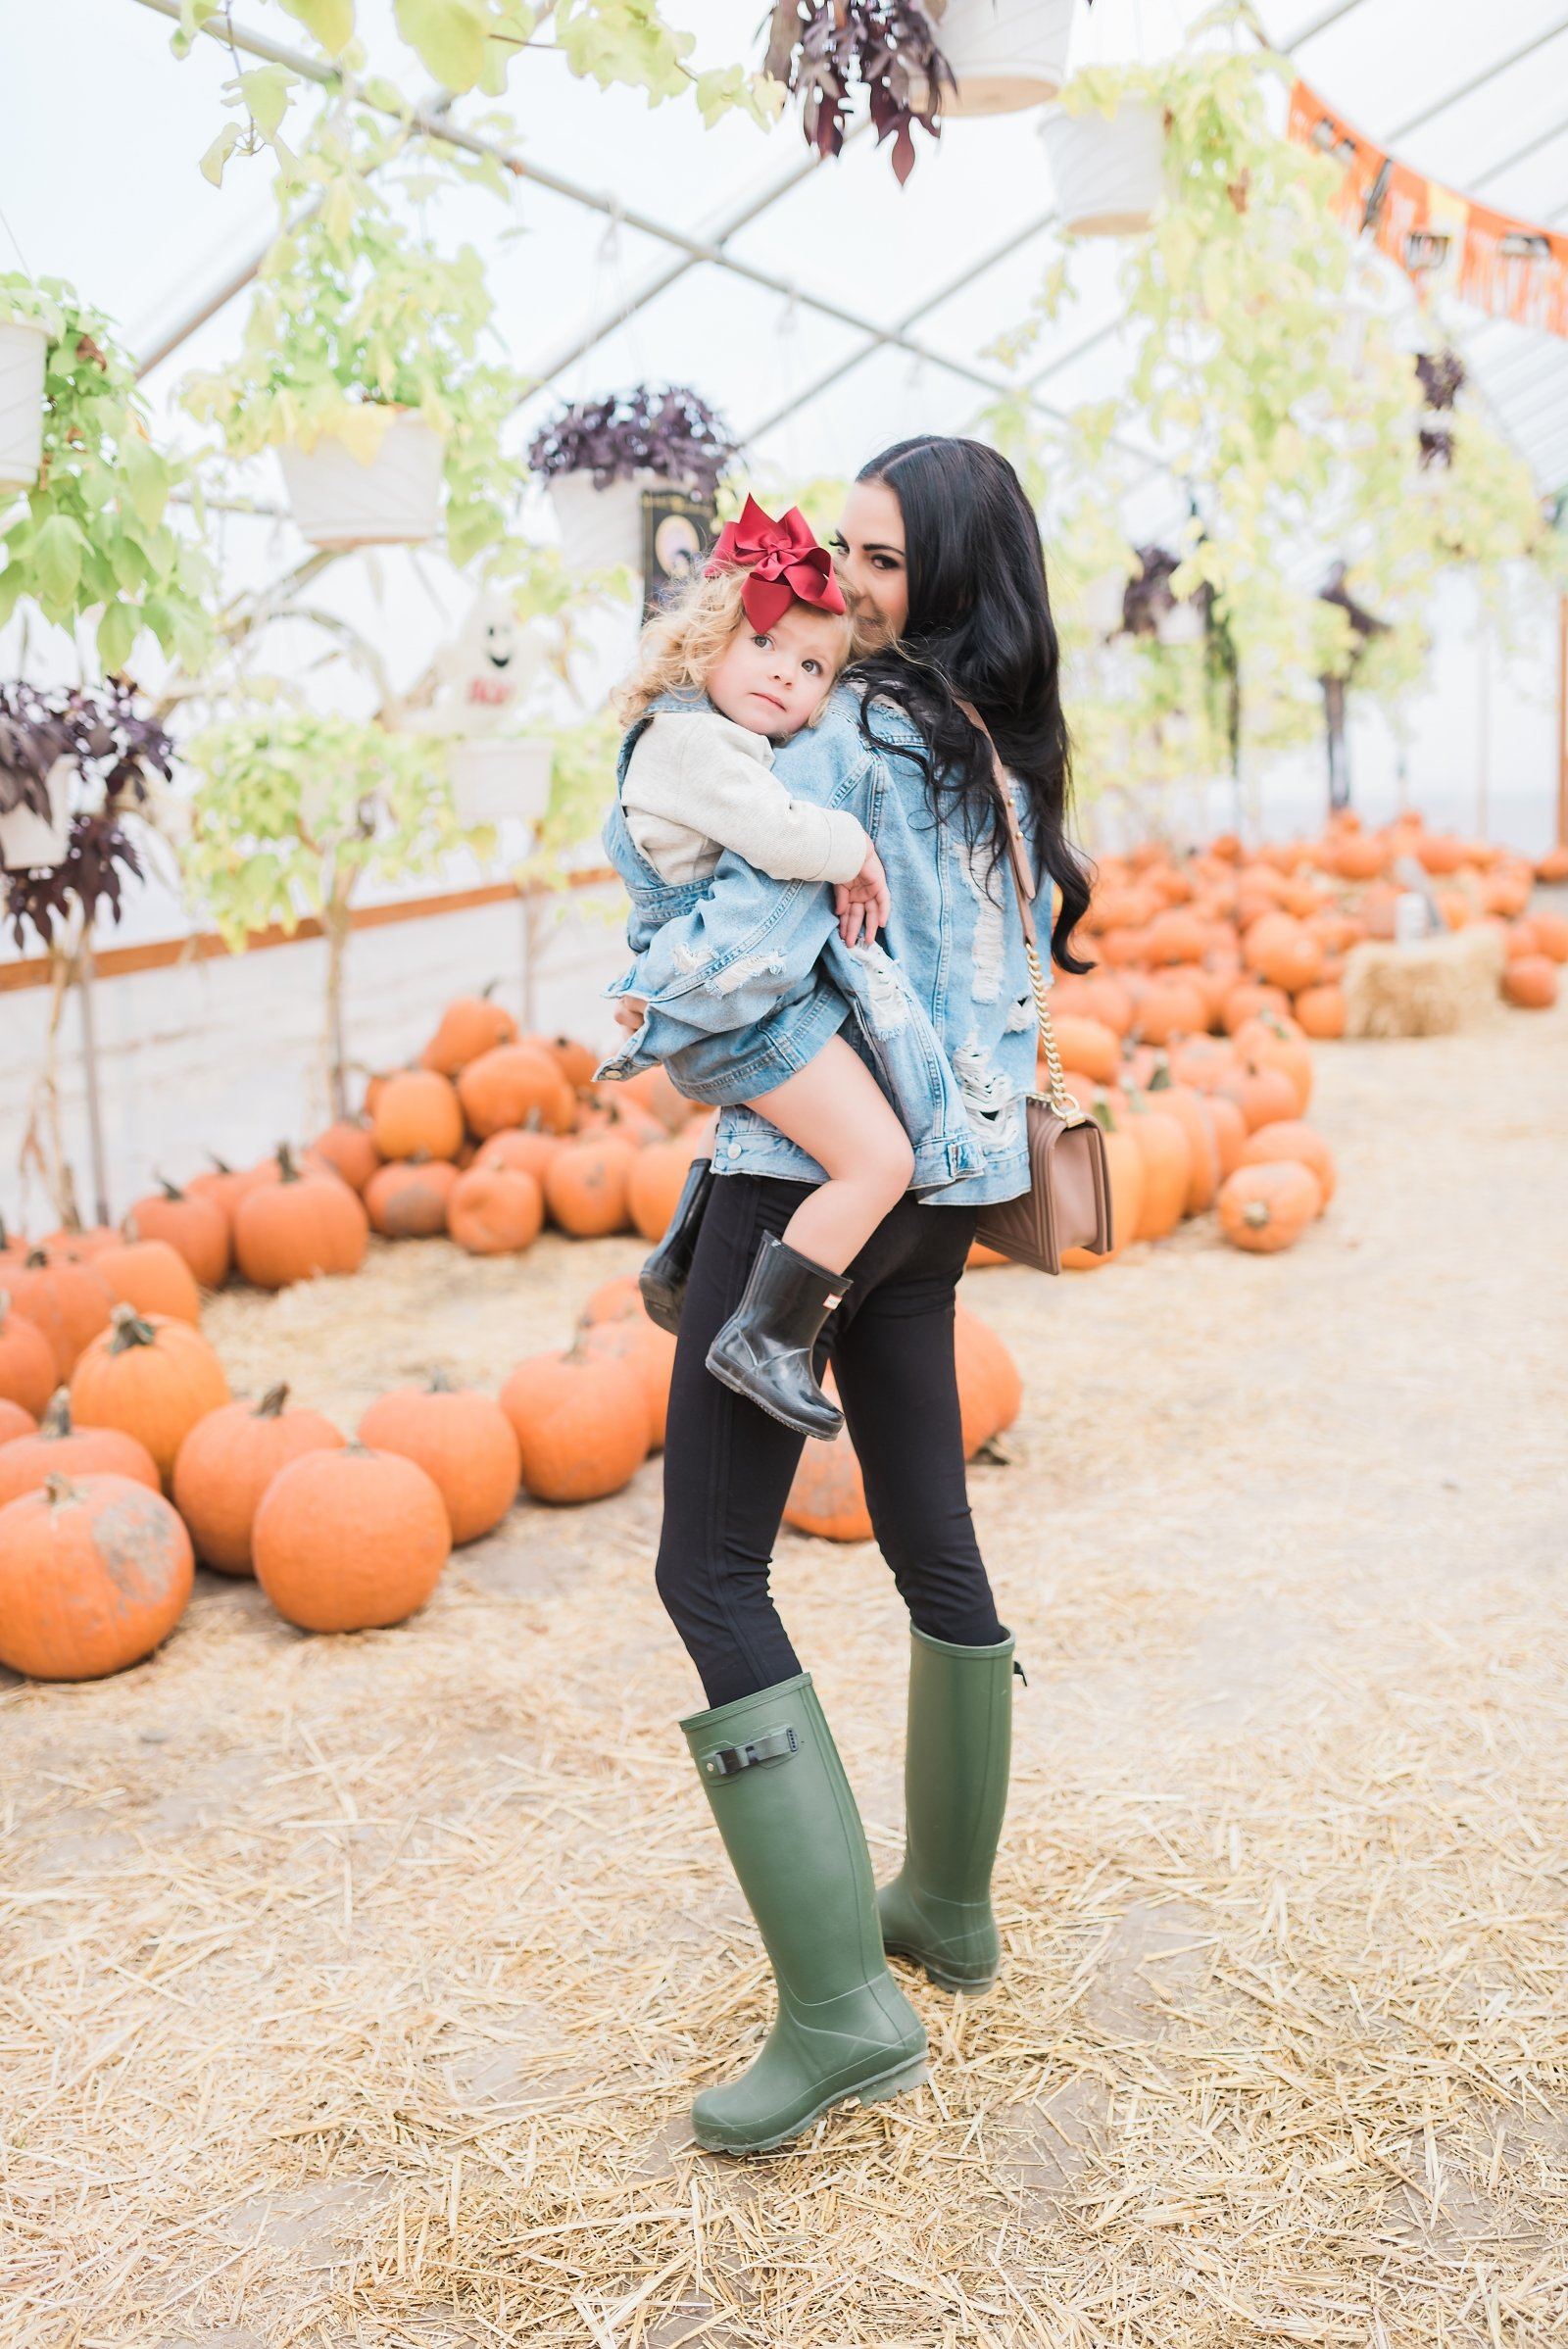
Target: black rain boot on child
column 663, row 1277
column 765, row 1349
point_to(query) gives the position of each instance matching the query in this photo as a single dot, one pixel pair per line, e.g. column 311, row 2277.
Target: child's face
column 775, row 683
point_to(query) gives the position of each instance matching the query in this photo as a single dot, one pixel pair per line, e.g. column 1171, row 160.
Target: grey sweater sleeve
column 702, row 774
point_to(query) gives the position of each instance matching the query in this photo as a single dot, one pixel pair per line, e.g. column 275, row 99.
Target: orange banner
column 1441, row 240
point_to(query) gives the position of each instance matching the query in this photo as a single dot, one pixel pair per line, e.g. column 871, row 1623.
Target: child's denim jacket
column 746, row 977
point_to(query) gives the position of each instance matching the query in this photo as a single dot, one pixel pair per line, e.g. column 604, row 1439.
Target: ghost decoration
column 486, row 673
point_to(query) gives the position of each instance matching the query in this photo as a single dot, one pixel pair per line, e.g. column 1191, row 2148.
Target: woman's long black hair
column 979, row 627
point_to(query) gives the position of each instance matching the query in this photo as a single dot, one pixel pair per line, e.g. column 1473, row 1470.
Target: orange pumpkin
column 1554, row 865
column 586, row 1185
column 1531, row 983
column 492, row 1213
column 575, row 1062
column 58, row 1447
column 1176, row 936
column 417, row 1115
column 516, row 1085
column 980, row 1257
column 652, row 1089
column 1124, row 1164
column 990, row 1387
column 1089, row 1044
column 1171, row 1008
column 150, row 1275
column 151, row 1377
column 193, row 1223
column 1290, row 1137
column 1274, row 1040
column 1229, row 1128
column 349, row 1149
column 15, row 1422
column 1167, row 1166
column 469, row 1025
column 1551, row 934
column 464, row 1441
column 28, row 1369
column 350, row 1541
column 654, row 1183
column 225, row 1464
column 1246, row 1000
column 827, row 1497
column 409, row 1199
column 651, row 1352
column 1202, row 1062
column 613, row 1300
column 67, row 1302
column 516, row 1149
column 1261, row 1095
column 300, row 1225
column 222, row 1188
column 79, row 1245
column 1264, row 1209
column 1320, row 1011
column 582, row 1424
column 1186, row 1107
column 93, row 1575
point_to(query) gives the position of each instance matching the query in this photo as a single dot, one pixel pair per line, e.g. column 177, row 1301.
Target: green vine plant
column 473, row 45
column 93, row 540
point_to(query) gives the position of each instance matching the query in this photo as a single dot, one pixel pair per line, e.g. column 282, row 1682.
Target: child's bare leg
column 836, row 1109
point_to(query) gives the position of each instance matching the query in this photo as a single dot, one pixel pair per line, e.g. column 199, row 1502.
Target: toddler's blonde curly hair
column 679, row 645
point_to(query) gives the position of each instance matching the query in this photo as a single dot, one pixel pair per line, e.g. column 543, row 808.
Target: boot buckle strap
column 774, row 1746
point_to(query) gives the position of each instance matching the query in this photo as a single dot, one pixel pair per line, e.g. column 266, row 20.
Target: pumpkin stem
column 61, row 1492
column 1104, row 1115
column 221, row 1165
column 1256, row 1212
column 172, row 1190
column 272, row 1403
column 36, row 1258
column 287, row 1171
column 488, row 990
column 439, row 1382
column 130, row 1330
column 5, row 1305
column 56, row 1420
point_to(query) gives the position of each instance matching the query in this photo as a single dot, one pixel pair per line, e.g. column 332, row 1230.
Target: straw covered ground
column 353, row 1989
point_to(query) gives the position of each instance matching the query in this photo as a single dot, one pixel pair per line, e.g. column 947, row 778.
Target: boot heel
column 893, row 2084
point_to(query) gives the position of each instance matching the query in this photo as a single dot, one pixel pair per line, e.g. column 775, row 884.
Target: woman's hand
column 630, row 1012
column 862, row 905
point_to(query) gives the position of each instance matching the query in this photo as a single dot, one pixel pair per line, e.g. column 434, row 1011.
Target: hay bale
column 1429, row 988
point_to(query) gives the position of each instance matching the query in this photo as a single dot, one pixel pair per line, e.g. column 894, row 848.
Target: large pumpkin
column 581, row 1421
column 350, row 1541
column 28, row 1369
column 464, row 1441
column 300, row 1225
column 1189, row 1109
column 469, row 1025
column 15, row 1422
column 150, row 1275
column 1124, row 1166
column 516, row 1085
column 409, row 1200
column 417, row 1115
column 828, row 1494
column 152, row 1377
column 651, row 1352
column 655, row 1184
column 519, row 1149
column 494, row 1213
column 1264, row 1209
column 1274, row 1040
column 225, row 1464
column 575, row 1062
column 93, row 1574
column 1531, row 983
column 990, row 1388
column 67, row 1302
column 1167, row 1165
column 58, row 1447
column 586, row 1185
column 195, row 1224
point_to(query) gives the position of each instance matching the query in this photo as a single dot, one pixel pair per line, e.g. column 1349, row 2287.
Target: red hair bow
column 786, row 564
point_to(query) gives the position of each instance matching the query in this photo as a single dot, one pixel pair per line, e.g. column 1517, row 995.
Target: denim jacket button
column 734, row 1151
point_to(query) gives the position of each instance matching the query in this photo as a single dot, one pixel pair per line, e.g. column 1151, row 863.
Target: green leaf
column 448, row 35
column 117, row 631
column 218, row 153
column 146, row 478
column 57, row 553
column 330, row 21
column 265, row 92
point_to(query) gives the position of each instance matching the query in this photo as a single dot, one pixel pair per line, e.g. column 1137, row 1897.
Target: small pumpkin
column 150, row 1275
column 613, row 1300
column 494, row 1213
column 1274, row 1040
column 519, row 1149
column 464, row 1441
column 575, row 1062
column 1246, row 999
column 1260, row 1094
column 655, row 1184
column 349, row 1149
column 1320, row 1011
column 1186, row 1107
column 1290, row 1138
column 195, row 1225
column 28, row 1369
column 67, row 1302
column 15, row 1422
column 151, row 1377
column 586, row 1185
column 652, row 1089
column 1090, row 1045
column 350, row 1540
column 649, row 1351
column 1531, row 983
column 1124, row 1166
column 827, row 1497
column 581, row 1421
column 516, row 1085
column 410, row 1199
column 990, row 1386
column 78, row 1244
column 417, row 1115
column 1171, row 1008
column 1264, row 1208
column 225, row 1464
column 93, row 1575
column 1167, row 1165
column 58, row 1448
column 299, row 1225
column 469, row 1025
column 221, row 1186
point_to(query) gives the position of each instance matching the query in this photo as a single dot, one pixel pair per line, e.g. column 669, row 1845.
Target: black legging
column 728, row 1466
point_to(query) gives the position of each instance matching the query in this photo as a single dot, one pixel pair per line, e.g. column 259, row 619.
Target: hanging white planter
column 395, row 500
column 1109, row 174
column 23, row 348
column 32, row 843
column 1005, row 54
column 1182, row 624
column 1104, row 601
column 502, row 779
column 601, row 526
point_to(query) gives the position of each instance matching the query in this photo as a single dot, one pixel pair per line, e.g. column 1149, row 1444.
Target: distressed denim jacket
column 746, row 976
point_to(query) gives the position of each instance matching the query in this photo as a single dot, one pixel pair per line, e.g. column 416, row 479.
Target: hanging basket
column 503, row 780
column 601, row 526
column 1182, row 624
column 23, row 348
column 32, row 843
column 1110, row 175
column 395, row 500
column 1006, row 54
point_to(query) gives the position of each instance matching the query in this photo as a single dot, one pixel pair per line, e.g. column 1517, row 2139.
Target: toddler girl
column 760, row 636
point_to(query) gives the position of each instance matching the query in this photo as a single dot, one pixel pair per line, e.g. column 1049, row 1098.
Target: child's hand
column 862, row 905
column 630, row 1012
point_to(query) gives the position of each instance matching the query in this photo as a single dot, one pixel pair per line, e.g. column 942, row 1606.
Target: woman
column 939, row 549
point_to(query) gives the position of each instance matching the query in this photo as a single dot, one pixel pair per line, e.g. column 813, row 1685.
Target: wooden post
column 1562, row 721
column 90, row 1071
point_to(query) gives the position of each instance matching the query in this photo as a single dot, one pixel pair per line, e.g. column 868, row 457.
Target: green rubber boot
column 843, row 2027
column 937, row 1910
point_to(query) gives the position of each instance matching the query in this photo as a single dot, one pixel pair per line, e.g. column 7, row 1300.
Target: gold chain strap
column 1064, row 1104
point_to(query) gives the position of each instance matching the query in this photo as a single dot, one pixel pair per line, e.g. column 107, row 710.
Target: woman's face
column 868, row 556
